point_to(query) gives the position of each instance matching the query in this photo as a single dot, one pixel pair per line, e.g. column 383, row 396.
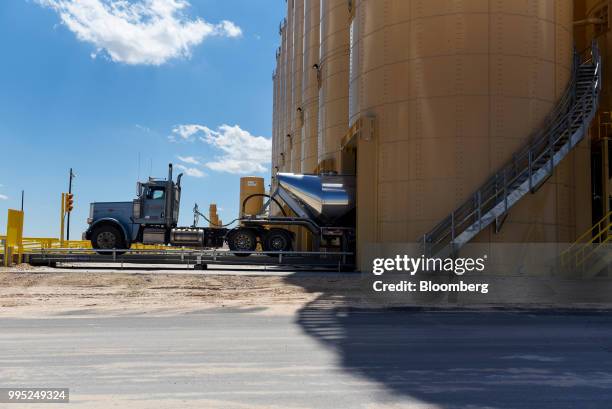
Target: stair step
column 540, row 164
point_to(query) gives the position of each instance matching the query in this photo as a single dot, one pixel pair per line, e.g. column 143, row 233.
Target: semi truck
column 151, row 218
column 322, row 204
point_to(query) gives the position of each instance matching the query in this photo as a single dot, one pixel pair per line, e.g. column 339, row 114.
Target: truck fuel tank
column 197, row 237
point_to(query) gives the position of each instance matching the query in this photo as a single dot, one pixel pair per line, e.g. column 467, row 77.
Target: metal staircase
column 530, row 167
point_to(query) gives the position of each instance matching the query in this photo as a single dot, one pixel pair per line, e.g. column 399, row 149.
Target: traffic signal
column 69, row 204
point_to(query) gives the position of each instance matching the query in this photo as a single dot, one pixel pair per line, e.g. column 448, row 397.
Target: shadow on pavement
column 467, row 359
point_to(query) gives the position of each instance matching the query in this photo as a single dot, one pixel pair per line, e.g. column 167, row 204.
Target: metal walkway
column 337, row 261
column 530, row 167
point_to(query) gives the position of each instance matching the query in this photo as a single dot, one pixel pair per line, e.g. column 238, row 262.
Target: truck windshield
column 155, row 193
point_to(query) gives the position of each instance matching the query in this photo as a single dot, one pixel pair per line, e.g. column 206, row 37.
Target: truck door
column 155, row 205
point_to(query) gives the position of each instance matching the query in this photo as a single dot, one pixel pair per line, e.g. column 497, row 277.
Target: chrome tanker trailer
column 323, row 204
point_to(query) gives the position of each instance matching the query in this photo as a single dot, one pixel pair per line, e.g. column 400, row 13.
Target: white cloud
column 138, row 32
column 231, row 29
column 242, row 152
column 193, row 172
column 142, row 128
column 188, row 159
column 185, row 132
column 3, row 197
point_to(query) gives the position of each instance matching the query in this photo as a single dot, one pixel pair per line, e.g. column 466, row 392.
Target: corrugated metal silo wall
column 275, row 123
column 282, row 132
column 298, row 65
column 279, row 130
column 310, row 88
column 334, row 66
column 288, row 88
column 456, row 88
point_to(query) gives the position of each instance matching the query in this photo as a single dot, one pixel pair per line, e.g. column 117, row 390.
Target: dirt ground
column 39, row 291
column 27, row 291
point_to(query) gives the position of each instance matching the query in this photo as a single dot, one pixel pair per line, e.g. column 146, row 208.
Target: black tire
column 108, row 237
column 242, row 240
column 277, row 240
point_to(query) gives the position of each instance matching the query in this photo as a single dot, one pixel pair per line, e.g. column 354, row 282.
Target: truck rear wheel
column 242, row 240
column 277, row 240
column 107, row 237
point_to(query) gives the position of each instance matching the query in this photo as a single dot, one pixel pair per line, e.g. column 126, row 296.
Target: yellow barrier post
column 13, row 244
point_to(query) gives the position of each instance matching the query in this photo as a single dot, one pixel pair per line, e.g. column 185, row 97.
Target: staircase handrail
column 562, row 118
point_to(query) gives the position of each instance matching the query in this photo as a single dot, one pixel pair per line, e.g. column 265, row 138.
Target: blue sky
column 96, row 84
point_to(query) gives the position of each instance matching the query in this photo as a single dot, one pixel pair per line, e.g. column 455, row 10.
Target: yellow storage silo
column 454, row 89
column 288, row 107
column 251, row 185
column 282, row 100
column 298, row 64
column 279, row 131
column 275, row 119
column 310, row 86
column 334, row 73
column 213, row 217
column 274, row 126
column 276, row 116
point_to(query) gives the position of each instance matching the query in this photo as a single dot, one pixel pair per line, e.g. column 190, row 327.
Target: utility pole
column 71, row 176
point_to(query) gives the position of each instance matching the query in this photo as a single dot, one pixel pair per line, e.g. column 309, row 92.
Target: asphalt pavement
column 319, row 358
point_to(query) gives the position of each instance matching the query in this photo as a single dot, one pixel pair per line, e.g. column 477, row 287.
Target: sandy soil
column 27, row 291
column 37, row 292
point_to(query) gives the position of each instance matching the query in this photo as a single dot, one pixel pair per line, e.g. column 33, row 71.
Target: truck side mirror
column 138, row 189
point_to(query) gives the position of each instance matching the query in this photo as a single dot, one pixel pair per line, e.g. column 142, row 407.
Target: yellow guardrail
column 13, row 245
column 43, row 243
column 38, row 243
column 588, row 243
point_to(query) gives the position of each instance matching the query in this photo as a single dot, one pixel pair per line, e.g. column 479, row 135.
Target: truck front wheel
column 242, row 240
column 107, row 237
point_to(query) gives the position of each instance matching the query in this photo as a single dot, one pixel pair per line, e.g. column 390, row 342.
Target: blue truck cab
column 150, row 218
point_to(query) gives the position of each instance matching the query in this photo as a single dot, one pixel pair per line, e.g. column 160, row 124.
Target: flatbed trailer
column 198, row 259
